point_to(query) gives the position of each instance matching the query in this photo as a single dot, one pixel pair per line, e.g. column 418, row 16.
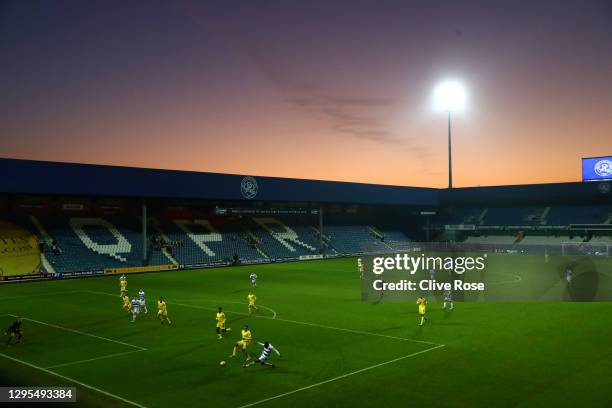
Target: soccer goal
column 585, row 248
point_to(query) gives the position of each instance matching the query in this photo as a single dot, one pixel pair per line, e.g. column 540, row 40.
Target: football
column 222, row 363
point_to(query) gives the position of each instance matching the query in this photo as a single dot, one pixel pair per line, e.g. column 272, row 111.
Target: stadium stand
column 19, row 249
column 566, row 215
column 527, row 216
column 516, row 216
column 491, row 239
column 354, row 239
column 548, row 239
column 466, row 215
column 198, row 242
column 91, row 243
column 280, row 241
column 95, row 242
column 602, row 238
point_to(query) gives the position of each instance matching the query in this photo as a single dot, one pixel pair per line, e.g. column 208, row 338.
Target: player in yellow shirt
column 422, row 303
column 251, row 298
column 244, row 342
column 162, row 312
column 127, row 305
column 123, row 285
column 221, row 323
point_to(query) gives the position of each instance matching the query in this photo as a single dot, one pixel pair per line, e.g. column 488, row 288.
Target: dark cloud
column 360, row 117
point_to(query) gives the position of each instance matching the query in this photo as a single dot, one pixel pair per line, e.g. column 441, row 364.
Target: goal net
column 585, row 248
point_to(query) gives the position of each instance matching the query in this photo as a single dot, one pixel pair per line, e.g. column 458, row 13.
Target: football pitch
column 336, row 350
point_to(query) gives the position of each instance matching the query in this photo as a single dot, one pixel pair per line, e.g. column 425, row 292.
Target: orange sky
column 301, row 93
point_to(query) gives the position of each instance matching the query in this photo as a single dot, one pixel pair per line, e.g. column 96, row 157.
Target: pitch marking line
column 434, row 347
column 318, row 325
column 197, row 307
column 294, row 321
column 82, row 384
column 94, row 359
column 322, row 326
column 341, row 376
column 82, row 333
column 233, row 302
column 358, row 332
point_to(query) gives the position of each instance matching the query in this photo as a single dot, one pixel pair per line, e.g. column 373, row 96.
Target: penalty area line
column 341, row 377
column 55, row 326
column 233, row 302
column 94, row 359
column 72, row 380
column 322, row 326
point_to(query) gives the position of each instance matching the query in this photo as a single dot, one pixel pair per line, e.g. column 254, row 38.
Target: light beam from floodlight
column 450, row 96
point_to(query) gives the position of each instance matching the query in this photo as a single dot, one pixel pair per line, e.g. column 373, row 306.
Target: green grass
column 336, row 350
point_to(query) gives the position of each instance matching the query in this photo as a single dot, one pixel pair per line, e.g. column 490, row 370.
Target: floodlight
column 450, row 96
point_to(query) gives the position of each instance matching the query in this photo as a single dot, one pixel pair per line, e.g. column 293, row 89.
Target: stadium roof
column 55, row 178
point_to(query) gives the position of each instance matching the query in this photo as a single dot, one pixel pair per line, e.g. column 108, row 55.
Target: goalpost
column 585, row 248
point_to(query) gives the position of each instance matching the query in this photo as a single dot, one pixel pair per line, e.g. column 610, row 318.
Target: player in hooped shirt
column 135, row 309
column 448, row 299
column 265, row 355
column 143, row 302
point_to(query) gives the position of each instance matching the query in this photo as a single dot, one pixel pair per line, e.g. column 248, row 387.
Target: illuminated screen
column 597, row 168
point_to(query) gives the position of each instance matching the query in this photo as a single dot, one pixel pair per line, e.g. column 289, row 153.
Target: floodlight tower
column 450, row 96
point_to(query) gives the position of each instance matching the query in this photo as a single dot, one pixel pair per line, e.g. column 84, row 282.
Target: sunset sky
column 335, row 90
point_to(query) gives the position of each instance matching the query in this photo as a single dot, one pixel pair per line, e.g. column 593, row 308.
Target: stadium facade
column 61, row 219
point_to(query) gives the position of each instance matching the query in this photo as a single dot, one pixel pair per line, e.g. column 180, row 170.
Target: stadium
column 310, row 204
column 195, row 238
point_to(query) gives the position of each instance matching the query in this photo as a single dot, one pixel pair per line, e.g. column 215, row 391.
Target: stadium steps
column 43, row 232
column 281, row 241
column 325, row 239
column 156, row 226
column 289, row 238
column 374, row 231
column 261, row 252
column 544, row 216
column 255, row 240
column 46, row 264
column 482, row 215
column 170, row 257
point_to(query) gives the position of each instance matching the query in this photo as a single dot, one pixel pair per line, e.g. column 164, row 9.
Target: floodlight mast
column 450, row 156
column 450, row 96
